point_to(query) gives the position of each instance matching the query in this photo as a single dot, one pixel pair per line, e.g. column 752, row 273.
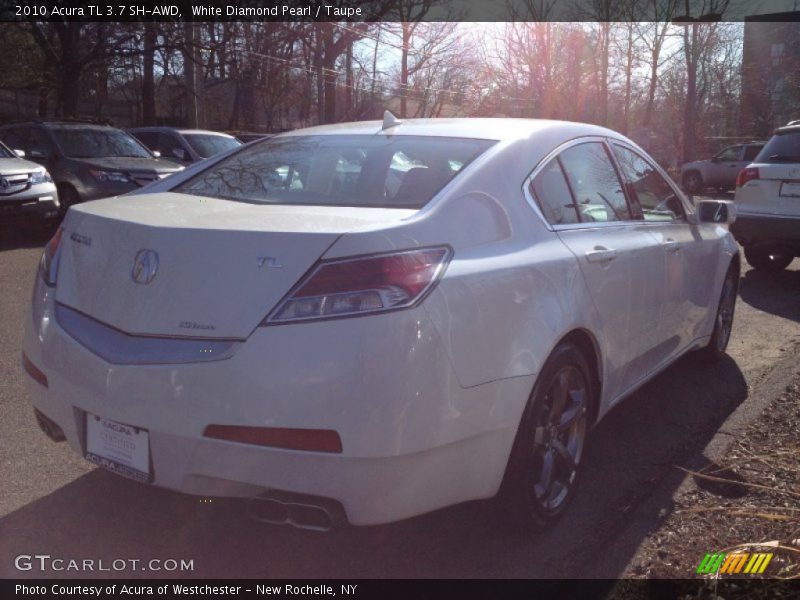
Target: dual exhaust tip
column 300, row 511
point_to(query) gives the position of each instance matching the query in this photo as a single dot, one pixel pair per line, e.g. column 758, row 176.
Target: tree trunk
column 148, row 77
column 404, row 69
column 690, row 106
column 189, row 74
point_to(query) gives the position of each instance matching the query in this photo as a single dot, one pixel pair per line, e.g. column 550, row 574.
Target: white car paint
column 426, row 400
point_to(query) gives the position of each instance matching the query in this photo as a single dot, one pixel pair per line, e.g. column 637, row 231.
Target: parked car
column 87, row 161
column 185, row 146
column 279, row 325
column 720, row 170
column 768, row 203
column 28, row 195
column 248, row 136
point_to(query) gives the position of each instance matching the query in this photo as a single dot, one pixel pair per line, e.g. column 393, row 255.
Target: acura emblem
column 145, row 266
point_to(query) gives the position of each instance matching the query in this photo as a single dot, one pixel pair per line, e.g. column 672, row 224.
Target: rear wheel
column 723, row 323
column 692, row 182
column 543, row 468
column 765, row 258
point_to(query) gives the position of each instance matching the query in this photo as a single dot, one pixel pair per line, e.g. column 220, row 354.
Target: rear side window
column 733, row 154
column 594, row 183
column 782, row 147
column 654, row 194
column 339, row 170
column 552, row 193
column 750, row 152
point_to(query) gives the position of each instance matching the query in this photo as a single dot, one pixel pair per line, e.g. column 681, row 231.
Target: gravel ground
column 749, row 497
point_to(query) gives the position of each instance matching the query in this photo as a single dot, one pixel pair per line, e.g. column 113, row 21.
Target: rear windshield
column 208, row 145
column 782, row 147
column 339, row 170
column 98, row 143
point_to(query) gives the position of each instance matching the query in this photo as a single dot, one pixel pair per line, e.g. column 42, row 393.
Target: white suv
column 768, row 202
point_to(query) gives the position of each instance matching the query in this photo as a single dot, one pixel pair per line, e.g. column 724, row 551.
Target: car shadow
column 631, row 457
column 774, row 293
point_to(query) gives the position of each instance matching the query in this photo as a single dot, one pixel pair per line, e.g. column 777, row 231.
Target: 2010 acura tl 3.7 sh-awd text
column 364, row 322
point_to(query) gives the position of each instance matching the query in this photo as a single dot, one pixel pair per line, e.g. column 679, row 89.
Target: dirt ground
column 749, row 497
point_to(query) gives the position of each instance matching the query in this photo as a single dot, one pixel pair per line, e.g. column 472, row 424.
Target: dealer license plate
column 120, row 448
column 789, row 188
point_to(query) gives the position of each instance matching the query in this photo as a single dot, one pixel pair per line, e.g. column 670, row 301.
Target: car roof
column 60, row 124
column 500, row 129
column 787, row 128
column 179, row 130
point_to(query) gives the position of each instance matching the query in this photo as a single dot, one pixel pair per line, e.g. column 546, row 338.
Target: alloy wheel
column 559, row 436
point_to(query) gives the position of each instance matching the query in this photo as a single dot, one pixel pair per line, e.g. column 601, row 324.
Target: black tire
column 769, row 259
column 67, row 196
column 723, row 321
column 552, row 432
column 693, row 182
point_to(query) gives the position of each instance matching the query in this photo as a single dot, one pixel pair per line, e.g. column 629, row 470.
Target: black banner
column 388, row 10
column 481, row 589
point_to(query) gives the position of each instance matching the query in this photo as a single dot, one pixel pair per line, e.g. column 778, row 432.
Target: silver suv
column 720, row 170
column 768, row 202
column 27, row 193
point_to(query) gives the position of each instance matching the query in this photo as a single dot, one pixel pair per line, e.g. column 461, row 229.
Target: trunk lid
column 221, row 265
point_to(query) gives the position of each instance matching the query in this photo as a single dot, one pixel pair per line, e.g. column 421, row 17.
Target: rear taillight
column 48, row 265
column 357, row 286
column 745, row 175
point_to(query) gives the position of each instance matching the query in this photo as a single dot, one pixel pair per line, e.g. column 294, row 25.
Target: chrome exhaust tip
column 303, row 512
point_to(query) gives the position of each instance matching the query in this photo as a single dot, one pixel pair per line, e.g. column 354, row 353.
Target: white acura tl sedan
column 364, row 322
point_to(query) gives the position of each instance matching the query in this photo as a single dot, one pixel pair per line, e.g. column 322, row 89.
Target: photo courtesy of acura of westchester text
column 317, row 295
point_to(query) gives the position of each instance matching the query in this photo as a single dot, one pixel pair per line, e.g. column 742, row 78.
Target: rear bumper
column 753, row 230
column 413, row 440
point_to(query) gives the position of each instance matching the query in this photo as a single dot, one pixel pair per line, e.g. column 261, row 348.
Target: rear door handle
column 601, row 254
column 671, row 246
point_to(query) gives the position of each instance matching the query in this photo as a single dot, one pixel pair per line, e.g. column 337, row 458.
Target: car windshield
column 782, row 147
column 98, row 143
column 208, row 145
column 339, row 170
column 5, row 152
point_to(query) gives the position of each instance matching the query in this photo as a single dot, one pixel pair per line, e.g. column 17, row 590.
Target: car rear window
column 782, row 147
column 338, row 170
column 208, row 145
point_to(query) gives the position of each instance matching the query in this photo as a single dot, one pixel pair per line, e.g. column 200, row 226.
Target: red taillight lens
column 310, row 440
column 48, row 265
column 363, row 285
column 34, row 371
column 745, row 175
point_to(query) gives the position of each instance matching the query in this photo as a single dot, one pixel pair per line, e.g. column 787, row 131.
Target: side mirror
column 715, row 159
column 716, row 211
column 156, row 154
column 19, row 153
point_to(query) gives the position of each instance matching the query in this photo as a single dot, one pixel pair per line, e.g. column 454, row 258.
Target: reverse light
column 48, row 265
column 40, row 177
column 110, row 176
column 357, row 286
column 745, row 175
